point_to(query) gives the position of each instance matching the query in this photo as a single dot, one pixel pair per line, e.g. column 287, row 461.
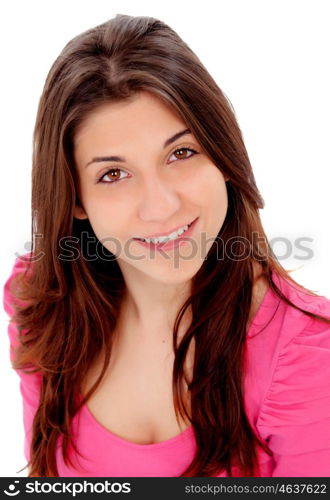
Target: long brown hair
column 79, row 298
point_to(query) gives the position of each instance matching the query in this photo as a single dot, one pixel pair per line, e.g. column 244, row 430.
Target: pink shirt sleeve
column 29, row 384
column 295, row 415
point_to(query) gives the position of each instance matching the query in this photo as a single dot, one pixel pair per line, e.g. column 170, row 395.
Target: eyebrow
column 169, row 141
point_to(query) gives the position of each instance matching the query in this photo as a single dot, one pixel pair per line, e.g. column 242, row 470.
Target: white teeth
column 163, row 239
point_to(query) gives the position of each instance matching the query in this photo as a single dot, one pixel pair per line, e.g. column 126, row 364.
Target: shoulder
column 283, row 340
column 30, row 383
column 283, row 321
column 297, row 323
column 20, row 267
column 297, row 400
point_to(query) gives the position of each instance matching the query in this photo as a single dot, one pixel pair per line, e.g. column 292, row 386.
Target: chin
column 176, row 275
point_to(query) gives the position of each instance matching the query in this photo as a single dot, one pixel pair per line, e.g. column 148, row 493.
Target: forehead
column 142, row 112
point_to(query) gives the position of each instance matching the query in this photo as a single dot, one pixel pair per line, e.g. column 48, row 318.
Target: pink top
column 287, row 386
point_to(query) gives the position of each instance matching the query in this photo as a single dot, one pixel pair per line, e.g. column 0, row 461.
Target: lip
column 157, row 235
column 169, row 245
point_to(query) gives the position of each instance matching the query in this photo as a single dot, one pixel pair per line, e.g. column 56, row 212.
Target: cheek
column 108, row 225
column 106, row 210
column 108, row 233
column 215, row 198
column 220, row 203
column 208, row 186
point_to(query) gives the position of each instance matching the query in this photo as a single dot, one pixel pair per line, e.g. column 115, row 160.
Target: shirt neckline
column 189, row 430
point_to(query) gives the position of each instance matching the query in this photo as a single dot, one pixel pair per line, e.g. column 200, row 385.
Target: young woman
column 153, row 329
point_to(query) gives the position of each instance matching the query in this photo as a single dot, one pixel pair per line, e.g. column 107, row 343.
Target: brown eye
column 183, row 153
column 114, row 174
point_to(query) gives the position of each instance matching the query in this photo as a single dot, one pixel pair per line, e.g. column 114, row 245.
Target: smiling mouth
column 164, row 239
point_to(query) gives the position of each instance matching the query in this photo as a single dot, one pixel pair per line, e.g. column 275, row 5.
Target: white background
column 270, row 58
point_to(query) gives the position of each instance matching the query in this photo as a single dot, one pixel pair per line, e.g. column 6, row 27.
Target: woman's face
column 158, row 179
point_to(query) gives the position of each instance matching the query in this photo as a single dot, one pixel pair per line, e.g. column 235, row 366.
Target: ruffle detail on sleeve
column 30, row 384
column 295, row 414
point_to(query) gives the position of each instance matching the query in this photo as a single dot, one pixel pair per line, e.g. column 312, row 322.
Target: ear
column 79, row 213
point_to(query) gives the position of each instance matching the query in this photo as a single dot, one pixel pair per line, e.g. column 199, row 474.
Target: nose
column 159, row 202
